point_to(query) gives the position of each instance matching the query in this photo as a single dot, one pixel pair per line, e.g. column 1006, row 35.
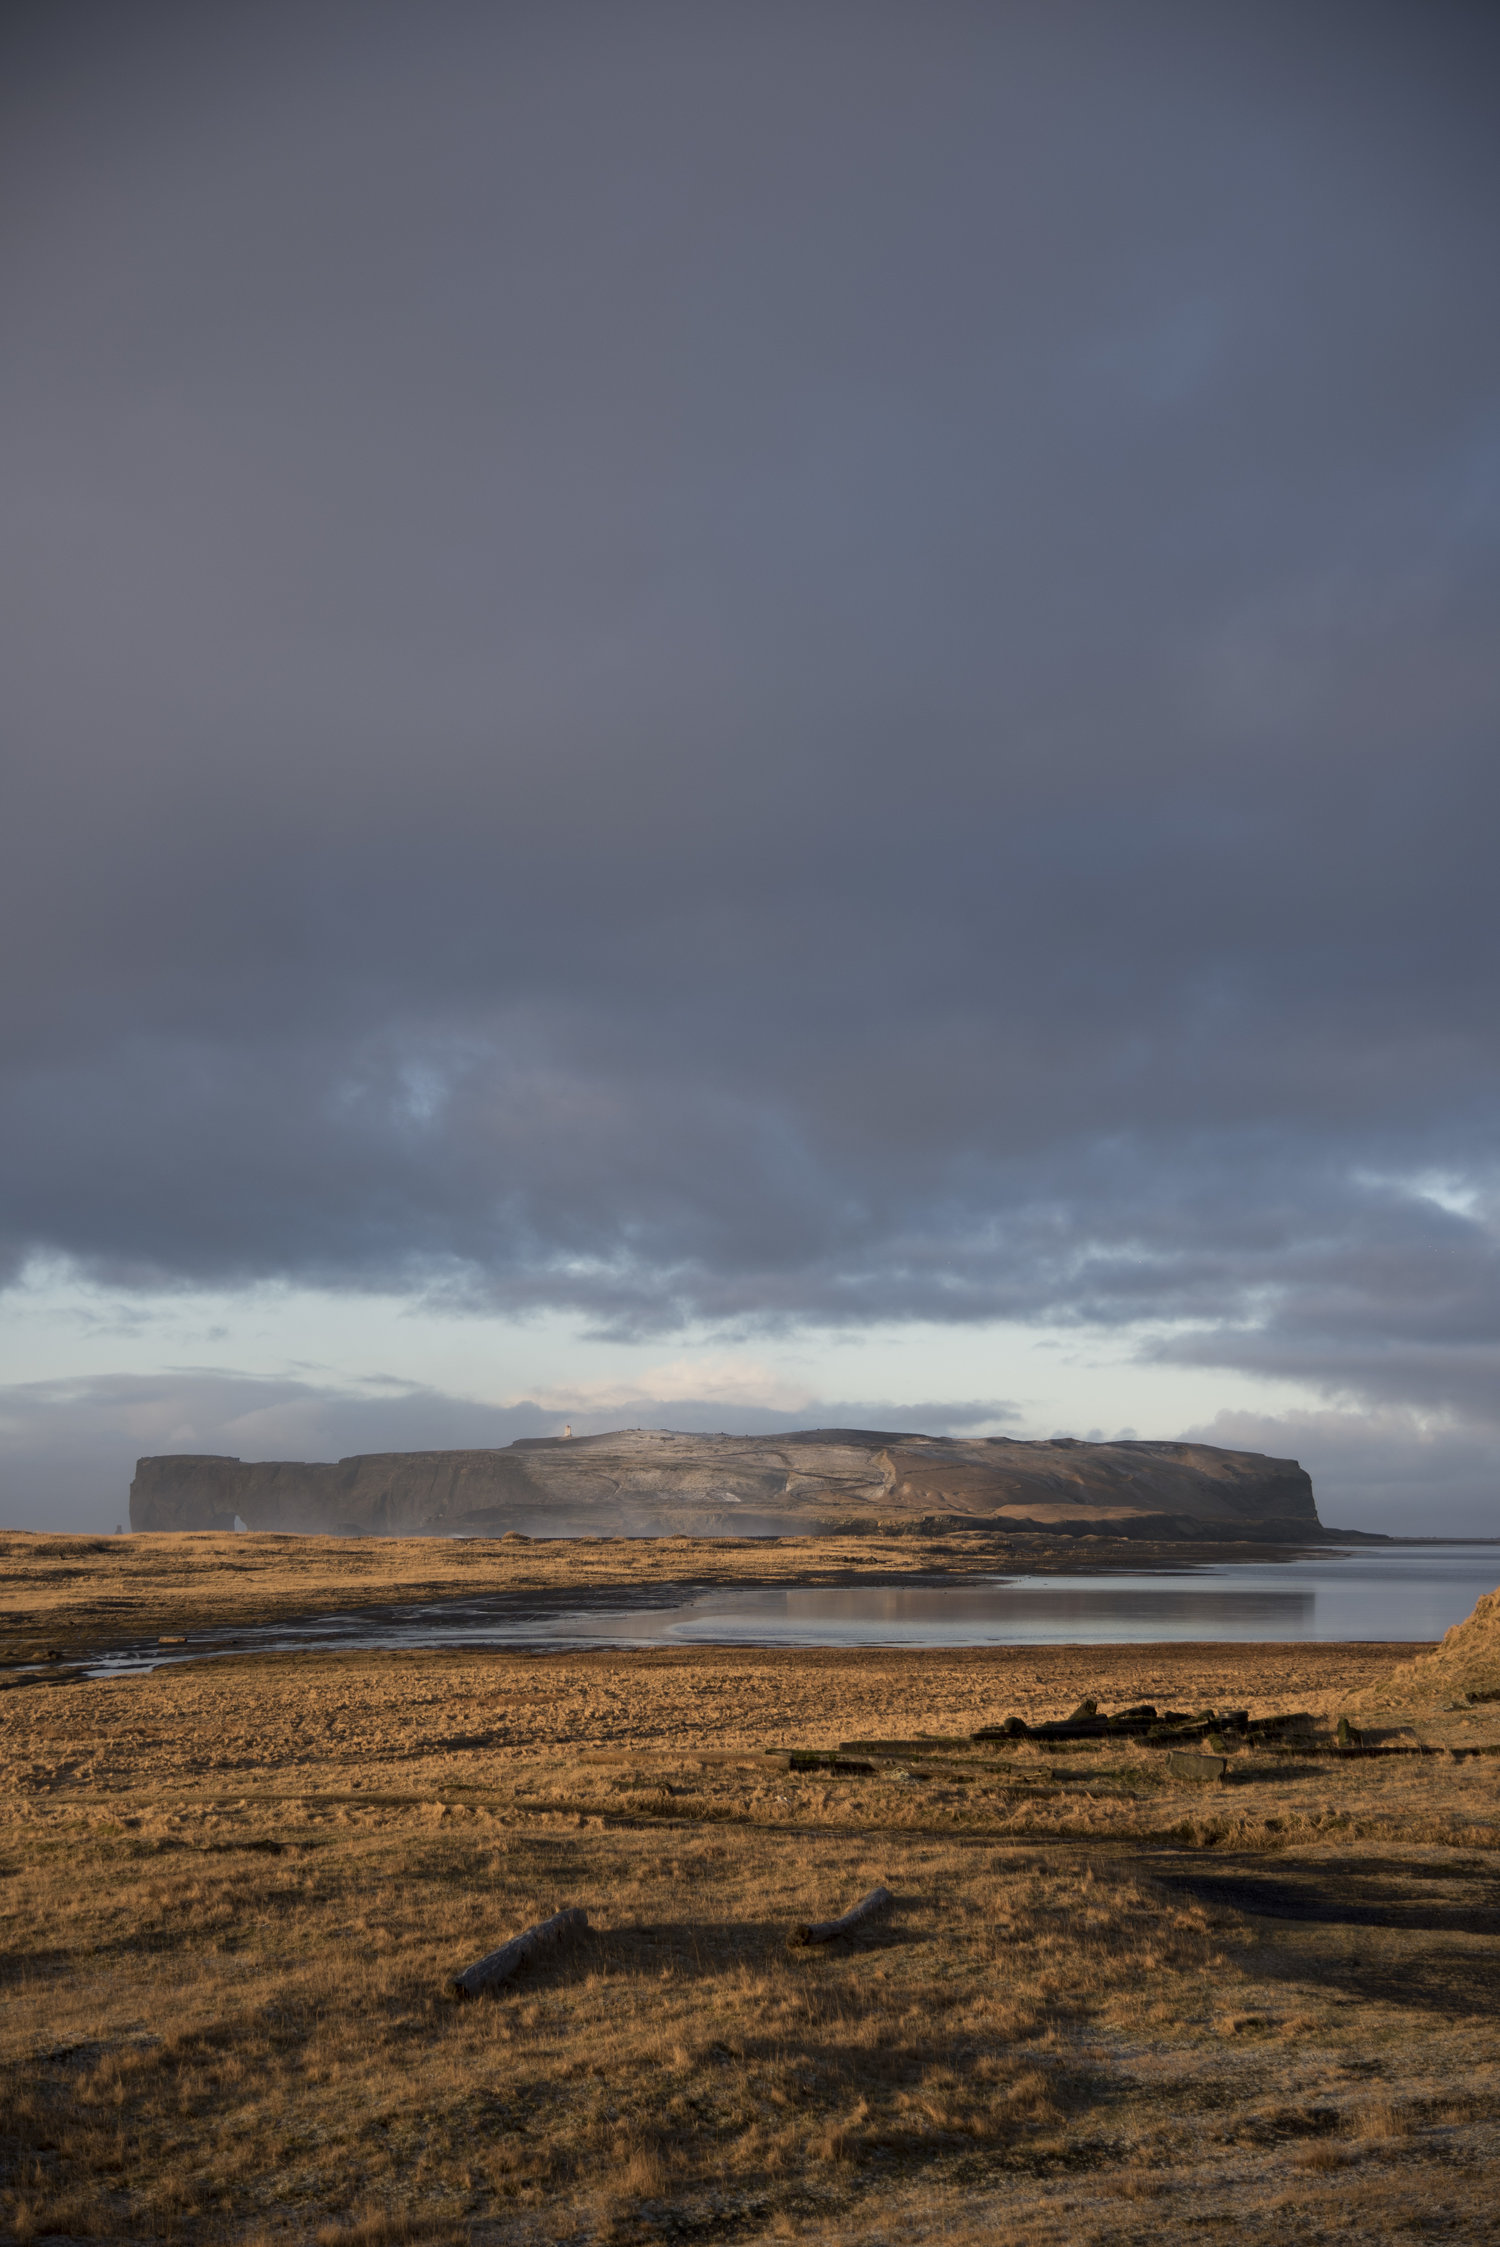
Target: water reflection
column 1034, row 1613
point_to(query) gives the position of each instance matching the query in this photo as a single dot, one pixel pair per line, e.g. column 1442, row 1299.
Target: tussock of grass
column 1465, row 1666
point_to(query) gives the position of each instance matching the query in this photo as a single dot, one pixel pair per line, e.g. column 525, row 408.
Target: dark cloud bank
column 768, row 664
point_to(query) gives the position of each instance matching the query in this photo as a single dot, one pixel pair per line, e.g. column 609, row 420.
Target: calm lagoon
column 1412, row 1592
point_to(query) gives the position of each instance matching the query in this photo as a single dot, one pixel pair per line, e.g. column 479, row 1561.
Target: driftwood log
column 871, row 1907
column 498, row 1966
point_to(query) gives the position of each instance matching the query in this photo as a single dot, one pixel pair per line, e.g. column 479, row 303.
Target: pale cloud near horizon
column 733, row 1379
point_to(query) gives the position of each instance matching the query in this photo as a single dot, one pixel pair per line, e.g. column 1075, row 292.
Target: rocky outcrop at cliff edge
column 652, row 1482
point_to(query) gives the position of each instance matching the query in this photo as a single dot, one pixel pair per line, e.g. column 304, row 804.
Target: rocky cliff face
column 652, row 1482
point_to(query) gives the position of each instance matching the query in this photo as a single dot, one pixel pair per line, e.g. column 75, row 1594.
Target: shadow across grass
column 1373, row 1893
column 1430, row 1925
column 693, row 1950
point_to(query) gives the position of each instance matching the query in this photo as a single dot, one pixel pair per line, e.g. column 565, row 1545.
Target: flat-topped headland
column 659, row 1482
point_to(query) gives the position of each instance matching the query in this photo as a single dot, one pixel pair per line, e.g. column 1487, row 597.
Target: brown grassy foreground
column 1108, row 2007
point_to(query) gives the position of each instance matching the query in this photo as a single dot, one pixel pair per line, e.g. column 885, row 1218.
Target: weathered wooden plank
column 819, row 1759
column 869, row 1908
column 497, row 1967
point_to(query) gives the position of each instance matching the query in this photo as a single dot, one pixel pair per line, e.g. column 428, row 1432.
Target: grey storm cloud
column 763, row 664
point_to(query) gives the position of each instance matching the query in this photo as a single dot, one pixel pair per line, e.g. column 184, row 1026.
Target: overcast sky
column 743, row 714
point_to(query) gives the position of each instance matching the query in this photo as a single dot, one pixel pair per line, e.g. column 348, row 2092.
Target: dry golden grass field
column 1109, row 2005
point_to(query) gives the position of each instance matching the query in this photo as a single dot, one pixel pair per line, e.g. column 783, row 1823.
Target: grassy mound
column 1464, row 1665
